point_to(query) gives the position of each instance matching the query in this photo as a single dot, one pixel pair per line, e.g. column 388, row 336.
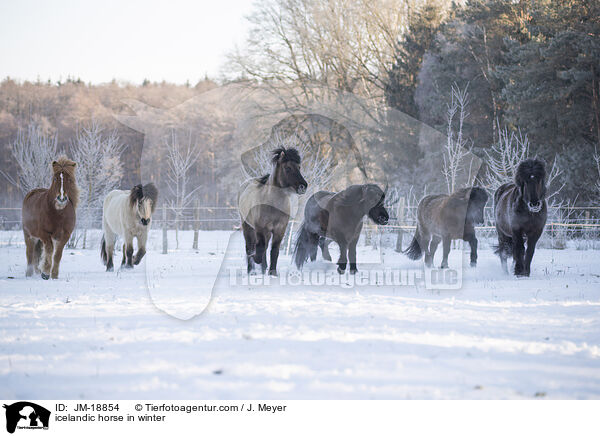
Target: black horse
column 338, row 217
column 521, row 213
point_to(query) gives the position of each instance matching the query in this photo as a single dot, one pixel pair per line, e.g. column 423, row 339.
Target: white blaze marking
column 62, row 191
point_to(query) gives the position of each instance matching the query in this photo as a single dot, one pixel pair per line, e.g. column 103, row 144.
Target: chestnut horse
column 48, row 217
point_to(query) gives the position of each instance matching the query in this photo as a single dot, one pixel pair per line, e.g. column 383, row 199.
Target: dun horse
column 265, row 207
column 444, row 218
column 127, row 214
column 521, row 212
column 48, row 217
column 338, row 217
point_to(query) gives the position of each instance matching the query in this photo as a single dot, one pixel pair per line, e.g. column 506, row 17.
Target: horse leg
column 260, row 255
column 531, row 241
column 58, row 251
column 128, row 251
column 352, row 256
column 30, row 244
column 503, row 243
column 277, row 238
column 48, row 251
column 472, row 240
column 343, row 259
column 141, row 248
column 518, row 251
column 324, row 244
column 124, row 251
column 37, row 254
column 314, row 247
column 250, row 238
column 109, row 241
column 430, row 249
column 446, row 244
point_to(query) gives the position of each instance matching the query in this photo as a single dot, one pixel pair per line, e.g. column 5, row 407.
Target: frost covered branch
column 33, row 151
column 456, row 145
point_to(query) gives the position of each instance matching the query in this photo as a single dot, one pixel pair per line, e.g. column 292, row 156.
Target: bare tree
column 339, row 44
column 456, row 145
column 597, row 160
column 33, row 151
column 182, row 155
column 99, row 169
column 505, row 156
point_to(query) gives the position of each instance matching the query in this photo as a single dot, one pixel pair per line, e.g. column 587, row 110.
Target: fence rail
column 571, row 219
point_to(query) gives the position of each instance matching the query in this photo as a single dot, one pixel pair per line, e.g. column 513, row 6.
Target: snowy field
column 135, row 334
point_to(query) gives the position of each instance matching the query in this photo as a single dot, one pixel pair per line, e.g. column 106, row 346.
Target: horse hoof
column 45, row 276
column 273, row 273
column 444, row 266
column 353, row 271
column 110, row 269
column 341, row 271
column 473, row 264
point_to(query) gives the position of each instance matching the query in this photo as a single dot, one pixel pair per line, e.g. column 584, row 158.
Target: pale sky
column 99, row 40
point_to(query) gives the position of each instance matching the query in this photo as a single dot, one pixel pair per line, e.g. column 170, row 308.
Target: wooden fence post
column 289, row 243
column 196, row 225
column 165, row 241
column 400, row 214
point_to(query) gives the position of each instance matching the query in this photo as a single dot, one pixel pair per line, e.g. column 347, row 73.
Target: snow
column 136, row 334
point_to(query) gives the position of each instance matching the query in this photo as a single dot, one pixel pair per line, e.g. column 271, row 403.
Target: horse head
column 63, row 183
column 143, row 200
column 477, row 198
column 531, row 182
column 375, row 198
column 287, row 170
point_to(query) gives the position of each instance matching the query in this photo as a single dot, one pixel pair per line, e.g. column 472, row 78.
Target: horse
column 127, row 214
column 48, row 217
column 338, row 217
column 445, row 218
column 265, row 207
column 521, row 211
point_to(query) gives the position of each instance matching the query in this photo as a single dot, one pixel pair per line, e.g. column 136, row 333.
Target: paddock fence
column 564, row 223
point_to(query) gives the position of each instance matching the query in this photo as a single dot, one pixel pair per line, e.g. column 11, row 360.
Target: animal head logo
column 26, row 415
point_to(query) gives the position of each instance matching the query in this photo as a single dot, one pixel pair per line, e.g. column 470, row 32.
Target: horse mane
column 528, row 168
column 65, row 165
column 263, row 180
column 354, row 193
column 471, row 194
column 139, row 193
column 478, row 195
column 289, row 155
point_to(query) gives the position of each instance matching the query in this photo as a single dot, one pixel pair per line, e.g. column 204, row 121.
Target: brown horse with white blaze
column 48, row 217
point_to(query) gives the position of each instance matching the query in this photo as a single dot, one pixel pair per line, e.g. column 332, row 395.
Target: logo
column 26, row 415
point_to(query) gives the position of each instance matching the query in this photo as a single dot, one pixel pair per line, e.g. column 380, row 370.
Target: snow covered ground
column 134, row 334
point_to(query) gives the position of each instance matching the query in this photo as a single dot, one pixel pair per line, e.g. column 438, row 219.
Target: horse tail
column 414, row 250
column 103, row 253
column 505, row 246
column 306, row 242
